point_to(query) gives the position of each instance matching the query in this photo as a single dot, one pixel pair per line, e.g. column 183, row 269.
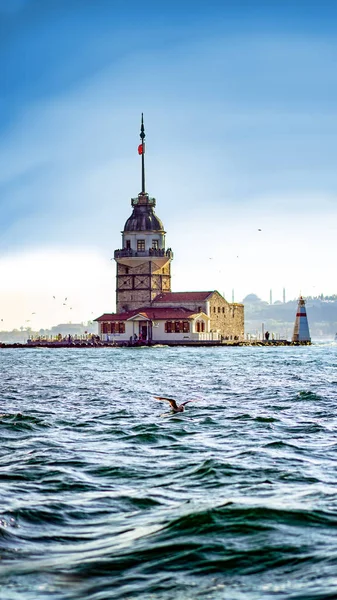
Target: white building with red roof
column 147, row 310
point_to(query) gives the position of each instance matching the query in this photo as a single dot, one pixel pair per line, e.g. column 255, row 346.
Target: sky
column 239, row 103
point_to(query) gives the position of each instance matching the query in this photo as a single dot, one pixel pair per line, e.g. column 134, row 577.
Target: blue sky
column 240, row 116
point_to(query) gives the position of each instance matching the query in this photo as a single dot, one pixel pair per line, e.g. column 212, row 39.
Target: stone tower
column 143, row 263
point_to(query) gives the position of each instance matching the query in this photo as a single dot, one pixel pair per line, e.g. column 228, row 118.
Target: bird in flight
column 259, row 229
column 175, row 407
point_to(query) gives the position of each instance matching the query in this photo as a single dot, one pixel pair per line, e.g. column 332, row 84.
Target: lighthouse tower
column 301, row 328
column 143, row 263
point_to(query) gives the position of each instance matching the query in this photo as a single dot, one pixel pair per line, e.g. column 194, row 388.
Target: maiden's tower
column 147, row 311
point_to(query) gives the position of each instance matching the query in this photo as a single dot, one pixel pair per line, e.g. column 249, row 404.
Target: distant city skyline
column 240, row 119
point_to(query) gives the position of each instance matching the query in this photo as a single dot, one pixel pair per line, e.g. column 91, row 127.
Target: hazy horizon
column 240, row 120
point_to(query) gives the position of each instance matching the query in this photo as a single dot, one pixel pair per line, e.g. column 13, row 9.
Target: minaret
column 301, row 328
column 143, row 263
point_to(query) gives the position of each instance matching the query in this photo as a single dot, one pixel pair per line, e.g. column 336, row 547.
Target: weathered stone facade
column 139, row 284
column 226, row 318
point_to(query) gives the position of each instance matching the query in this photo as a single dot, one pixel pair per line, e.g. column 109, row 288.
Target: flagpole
column 142, row 137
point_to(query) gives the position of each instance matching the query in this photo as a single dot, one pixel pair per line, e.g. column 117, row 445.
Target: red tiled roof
column 154, row 314
column 117, row 316
column 183, row 297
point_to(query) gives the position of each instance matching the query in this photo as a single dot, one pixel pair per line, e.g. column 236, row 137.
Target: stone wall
column 226, row 318
column 138, row 285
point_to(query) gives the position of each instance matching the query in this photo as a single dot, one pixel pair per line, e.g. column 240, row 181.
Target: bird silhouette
column 175, row 407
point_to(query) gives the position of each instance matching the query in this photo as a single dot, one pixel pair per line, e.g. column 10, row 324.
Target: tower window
column 126, row 270
column 155, row 244
column 140, row 245
column 128, row 244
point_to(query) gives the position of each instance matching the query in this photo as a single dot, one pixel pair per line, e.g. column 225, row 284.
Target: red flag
column 141, row 149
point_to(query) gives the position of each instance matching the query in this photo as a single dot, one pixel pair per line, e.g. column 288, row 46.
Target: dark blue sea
column 105, row 495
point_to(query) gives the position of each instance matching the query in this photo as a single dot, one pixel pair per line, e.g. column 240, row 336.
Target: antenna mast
column 142, row 146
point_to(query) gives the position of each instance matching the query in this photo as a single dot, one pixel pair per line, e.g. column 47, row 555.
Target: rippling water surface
column 105, row 495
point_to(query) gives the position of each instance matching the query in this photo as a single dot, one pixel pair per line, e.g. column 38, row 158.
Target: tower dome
column 143, row 217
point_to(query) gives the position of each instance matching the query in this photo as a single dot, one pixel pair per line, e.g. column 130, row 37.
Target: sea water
column 104, row 494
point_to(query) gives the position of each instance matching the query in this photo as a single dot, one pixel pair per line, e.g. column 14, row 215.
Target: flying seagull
column 175, row 407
